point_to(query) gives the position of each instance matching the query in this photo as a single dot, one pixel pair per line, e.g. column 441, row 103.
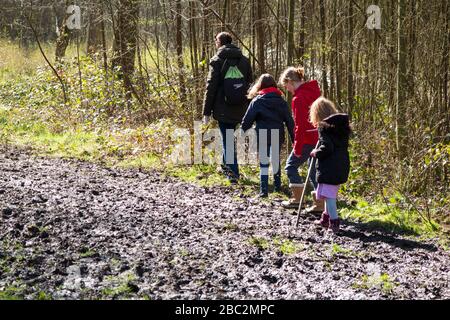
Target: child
column 270, row 112
column 333, row 161
column 304, row 94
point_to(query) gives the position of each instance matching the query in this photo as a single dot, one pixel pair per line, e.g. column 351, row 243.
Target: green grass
column 336, row 249
column 382, row 282
column 119, row 286
column 11, row 293
column 231, row 227
column 145, row 161
column 44, row 296
column 259, row 243
column 203, row 175
column 389, row 217
column 87, row 254
column 285, row 246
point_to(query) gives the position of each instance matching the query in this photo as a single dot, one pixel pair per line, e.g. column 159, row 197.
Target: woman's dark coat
column 214, row 101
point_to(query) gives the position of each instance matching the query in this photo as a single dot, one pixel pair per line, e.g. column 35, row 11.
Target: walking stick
column 304, row 189
column 303, row 192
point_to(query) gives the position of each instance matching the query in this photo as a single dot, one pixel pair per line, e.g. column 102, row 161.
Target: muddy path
column 75, row 230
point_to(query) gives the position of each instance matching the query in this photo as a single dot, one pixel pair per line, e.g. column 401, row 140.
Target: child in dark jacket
column 270, row 112
column 333, row 161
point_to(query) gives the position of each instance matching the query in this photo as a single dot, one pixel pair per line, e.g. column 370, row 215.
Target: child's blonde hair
column 265, row 81
column 320, row 110
column 292, row 74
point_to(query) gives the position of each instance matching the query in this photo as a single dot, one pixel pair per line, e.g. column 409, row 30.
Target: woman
column 305, row 137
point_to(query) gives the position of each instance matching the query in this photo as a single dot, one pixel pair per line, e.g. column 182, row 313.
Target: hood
column 270, row 90
column 229, row 51
column 310, row 88
column 337, row 124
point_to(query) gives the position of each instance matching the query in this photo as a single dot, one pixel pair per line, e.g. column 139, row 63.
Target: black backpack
column 235, row 86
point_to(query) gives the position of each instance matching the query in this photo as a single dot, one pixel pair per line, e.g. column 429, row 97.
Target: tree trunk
column 323, row 29
column 301, row 49
column 350, row 93
column 125, row 41
column 260, row 36
column 179, row 45
column 63, row 38
column 95, row 29
column 291, row 24
column 401, row 82
column 445, row 65
column 205, row 41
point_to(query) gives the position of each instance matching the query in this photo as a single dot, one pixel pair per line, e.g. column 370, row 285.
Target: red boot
column 324, row 220
column 334, row 226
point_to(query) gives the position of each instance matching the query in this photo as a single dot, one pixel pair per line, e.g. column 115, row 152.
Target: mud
column 76, row 230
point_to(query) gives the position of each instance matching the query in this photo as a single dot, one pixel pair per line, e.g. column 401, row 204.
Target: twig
column 46, row 59
column 231, row 30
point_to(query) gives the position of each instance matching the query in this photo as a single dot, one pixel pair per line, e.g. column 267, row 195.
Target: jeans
column 269, row 153
column 229, row 156
column 331, row 208
column 294, row 162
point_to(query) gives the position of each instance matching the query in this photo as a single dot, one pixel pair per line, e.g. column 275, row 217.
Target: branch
column 204, row 4
column 45, row 57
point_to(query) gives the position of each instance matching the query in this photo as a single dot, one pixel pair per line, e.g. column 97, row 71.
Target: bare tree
column 401, row 82
column 125, row 41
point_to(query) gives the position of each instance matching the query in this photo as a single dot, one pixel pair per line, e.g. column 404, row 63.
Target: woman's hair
column 292, row 74
column 265, row 81
column 320, row 110
column 224, row 38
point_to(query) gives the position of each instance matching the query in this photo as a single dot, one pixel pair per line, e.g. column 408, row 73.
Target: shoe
column 229, row 174
column 318, row 206
column 324, row 220
column 277, row 189
column 334, row 226
column 232, row 180
column 293, row 203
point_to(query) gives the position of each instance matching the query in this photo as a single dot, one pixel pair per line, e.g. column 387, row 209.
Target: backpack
column 235, row 86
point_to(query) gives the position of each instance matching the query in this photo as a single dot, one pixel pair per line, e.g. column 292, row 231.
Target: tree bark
column 125, row 41
column 260, row 36
column 95, row 28
column 401, row 82
column 302, row 45
column 63, row 38
column 179, row 45
column 291, row 24
column 350, row 26
column 323, row 29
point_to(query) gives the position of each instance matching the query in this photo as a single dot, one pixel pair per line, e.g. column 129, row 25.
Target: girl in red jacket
column 305, row 136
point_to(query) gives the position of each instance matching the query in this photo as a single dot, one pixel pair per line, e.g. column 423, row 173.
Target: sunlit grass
column 389, row 216
column 17, row 61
